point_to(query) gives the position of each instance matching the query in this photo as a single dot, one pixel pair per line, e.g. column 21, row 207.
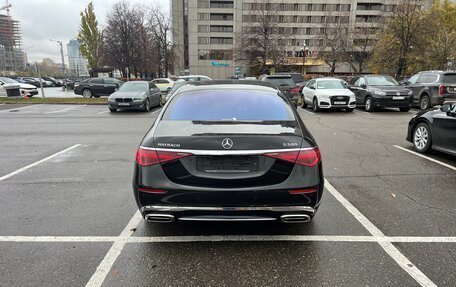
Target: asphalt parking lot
column 69, row 217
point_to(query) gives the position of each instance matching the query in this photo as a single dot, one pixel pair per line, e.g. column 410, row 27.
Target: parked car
column 164, row 84
column 286, row 85
column 380, row 91
column 298, row 78
column 96, row 87
column 432, row 88
column 9, row 89
column 45, row 83
column 176, row 86
column 30, row 80
column 247, row 156
column 24, row 89
column 328, row 93
column 434, row 129
column 135, row 95
column 69, row 83
column 54, row 81
column 249, row 78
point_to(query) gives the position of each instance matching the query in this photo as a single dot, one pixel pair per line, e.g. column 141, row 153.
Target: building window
column 203, row 28
column 215, row 55
column 223, row 29
column 203, row 16
column 203, row 4
column 203, row 40
column 221, row 40
column 223, row 17
column 222, row 4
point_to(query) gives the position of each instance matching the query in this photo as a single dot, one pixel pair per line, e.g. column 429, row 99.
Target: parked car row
column 24, row 89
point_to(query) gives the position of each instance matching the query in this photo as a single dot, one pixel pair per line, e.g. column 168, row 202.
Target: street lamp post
column 61, row 54
column 304, row 50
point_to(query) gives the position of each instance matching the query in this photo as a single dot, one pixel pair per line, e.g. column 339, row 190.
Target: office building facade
column 77, row 64
column 206, row 33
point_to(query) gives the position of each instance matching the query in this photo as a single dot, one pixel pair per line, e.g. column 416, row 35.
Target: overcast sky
column 42, row 20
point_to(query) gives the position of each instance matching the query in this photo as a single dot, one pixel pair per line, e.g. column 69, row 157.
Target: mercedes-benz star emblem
column 227, row 143
column 398, row 93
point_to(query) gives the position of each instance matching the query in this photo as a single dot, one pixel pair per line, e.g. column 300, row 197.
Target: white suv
column 328, row 93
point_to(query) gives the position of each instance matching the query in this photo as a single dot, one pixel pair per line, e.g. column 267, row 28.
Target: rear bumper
column 244, row 213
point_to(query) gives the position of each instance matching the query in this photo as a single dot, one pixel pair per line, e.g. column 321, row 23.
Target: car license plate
column 227, row 164
column 340, row 103
column 124, row 104
column 398, row 98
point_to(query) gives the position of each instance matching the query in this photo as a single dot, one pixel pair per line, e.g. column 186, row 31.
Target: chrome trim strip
column 171, row 208
column 190, row 218
column 226, row 152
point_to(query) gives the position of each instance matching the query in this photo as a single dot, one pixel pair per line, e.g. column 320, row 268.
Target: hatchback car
column 328, row 93
column 137, row 95
column 228, row 151
column 380, row 91
column 434, row 129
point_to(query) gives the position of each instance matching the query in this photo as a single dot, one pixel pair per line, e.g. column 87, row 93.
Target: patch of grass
column 73, row 101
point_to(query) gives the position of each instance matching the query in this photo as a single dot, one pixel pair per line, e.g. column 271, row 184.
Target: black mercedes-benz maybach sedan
column 228, row 151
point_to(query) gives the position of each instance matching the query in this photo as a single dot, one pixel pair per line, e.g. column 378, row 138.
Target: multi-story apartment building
column 206, row 33
column 76, row 62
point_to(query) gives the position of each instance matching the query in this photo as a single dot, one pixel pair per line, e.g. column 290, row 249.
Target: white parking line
column 103, row 112
column 227, row 238
column 38, row 162
column 426, row 157
column 392, row 251
column 155, row 111
column 103, row 269
column 309, row 112
column 64, row 110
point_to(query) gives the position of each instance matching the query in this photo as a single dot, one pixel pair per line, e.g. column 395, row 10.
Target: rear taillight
column 308, row 157
column 152, row 190
column 441, row 89
column 302, row 190
column 294, row 90
column 76, row 85
column 146, row 157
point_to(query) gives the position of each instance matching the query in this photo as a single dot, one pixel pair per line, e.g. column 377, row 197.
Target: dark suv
column 432, row 88
column 380, row 91
column 286, row 84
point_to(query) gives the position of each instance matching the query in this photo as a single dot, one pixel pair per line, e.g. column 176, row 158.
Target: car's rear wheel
column 349, row 110
column 86, row 93
column 368, row 104
column 112, row 110
column 422, row 138
column 425, row 102
column 315, row 106
column 404, row 109
column 146, row 106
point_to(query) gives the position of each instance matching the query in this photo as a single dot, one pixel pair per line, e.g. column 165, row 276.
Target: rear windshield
column 297, row 78
column 281, row 81
column 229, row 105
column 449, row 79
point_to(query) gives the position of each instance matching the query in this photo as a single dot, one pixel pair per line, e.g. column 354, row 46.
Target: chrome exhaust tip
column 159, row 218
column 295, row 218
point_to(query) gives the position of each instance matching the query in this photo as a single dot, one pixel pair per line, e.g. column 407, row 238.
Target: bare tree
column 359, row 48
column 160, row 26
column 261, row 44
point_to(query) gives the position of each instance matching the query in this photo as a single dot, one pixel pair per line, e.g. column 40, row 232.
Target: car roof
column 278, row 76
column 229, row 84
column 327, row 79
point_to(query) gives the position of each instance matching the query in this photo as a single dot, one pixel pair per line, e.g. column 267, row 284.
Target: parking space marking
column 309, row 112
column 108, row 261
column 389, row 248
column 103, row 112
column 17, row 109
column 228, row 238
column 64, row 110
column 38, row 162
column 155, row 111
column 426, row 157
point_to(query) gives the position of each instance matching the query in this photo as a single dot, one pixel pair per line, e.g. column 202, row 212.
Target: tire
column 87, row 93
column 425, row 102
column 112, row 110
column 315, row 106
column 304, row 104
column 422, row 138
column 404, row 109
column 368, row 104
column 146, row 106
column 96, row 96
column 349, row 110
